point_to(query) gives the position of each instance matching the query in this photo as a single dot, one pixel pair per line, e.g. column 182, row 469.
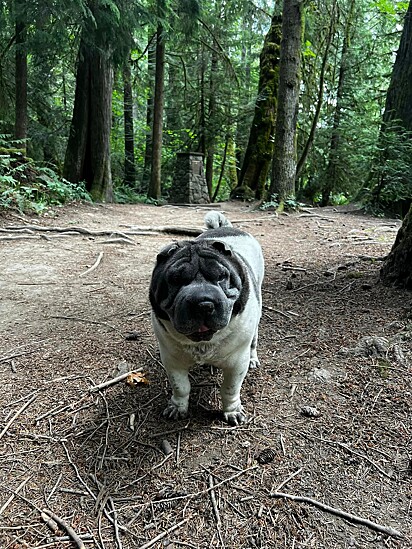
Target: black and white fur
column 206, row 307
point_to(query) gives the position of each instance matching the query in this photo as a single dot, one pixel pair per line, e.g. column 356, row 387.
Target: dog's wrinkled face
column 197, row 287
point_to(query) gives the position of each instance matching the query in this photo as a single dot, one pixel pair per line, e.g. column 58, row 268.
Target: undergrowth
column 27, row 187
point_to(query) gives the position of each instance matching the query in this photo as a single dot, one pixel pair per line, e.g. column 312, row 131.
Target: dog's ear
column 168, row 251
column 221, row 247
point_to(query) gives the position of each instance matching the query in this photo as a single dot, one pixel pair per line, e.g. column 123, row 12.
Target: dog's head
column 198, row 285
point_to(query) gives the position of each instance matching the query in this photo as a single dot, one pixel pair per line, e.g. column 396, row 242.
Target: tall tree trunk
column 332, row 170
column 88, row 148
column 129, row 162
column 202, row 114
column 155, row 187
column 20, row 127
column 397, row 116
column 284, row 158
column 397, row 267
column 259, row 150
column 211, row 129
column 151, row 70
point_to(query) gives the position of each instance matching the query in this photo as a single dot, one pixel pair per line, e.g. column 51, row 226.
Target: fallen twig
column 113, row 381
column 339, row 513
column 290, row 477
column 15, row 493
column 21, row 237
column 66, row 527
column 94, row 266
column 108, row 232
column 163, row 534
column 16, row 415
column 213, row 500
column 186, row 231
column 89, row 321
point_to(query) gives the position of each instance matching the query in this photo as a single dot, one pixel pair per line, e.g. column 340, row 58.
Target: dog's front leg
column 179, row 380
column 233, row 376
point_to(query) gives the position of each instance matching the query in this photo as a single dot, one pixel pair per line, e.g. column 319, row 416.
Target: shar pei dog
column 206, row 304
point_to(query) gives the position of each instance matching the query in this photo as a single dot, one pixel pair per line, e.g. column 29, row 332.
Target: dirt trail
column 330, row 407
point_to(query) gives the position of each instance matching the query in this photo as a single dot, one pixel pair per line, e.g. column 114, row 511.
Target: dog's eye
column 218, row 274
column 180, row 277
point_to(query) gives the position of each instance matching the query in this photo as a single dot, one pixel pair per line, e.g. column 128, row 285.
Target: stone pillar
column 189, row 182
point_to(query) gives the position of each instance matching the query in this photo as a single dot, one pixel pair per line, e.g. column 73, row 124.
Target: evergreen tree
column 397, row 267
column 284, row 159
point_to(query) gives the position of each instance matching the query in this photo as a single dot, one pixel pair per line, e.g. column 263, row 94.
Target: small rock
column 132, row 336
column 309, row 411
column 320, row 374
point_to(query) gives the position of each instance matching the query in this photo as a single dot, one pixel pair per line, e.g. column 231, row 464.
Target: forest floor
column 330, row 415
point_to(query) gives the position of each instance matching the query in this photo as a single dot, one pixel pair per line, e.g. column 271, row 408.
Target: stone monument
column 189, row 182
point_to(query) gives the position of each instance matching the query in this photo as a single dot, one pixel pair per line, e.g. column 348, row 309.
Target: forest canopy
column 98, row 96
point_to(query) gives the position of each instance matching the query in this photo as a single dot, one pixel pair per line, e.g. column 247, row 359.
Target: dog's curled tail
column 214, row 220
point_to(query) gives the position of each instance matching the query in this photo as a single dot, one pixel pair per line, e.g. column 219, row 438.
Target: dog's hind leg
column 254, row 361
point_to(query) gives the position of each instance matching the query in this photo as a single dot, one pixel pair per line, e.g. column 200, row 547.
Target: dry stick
column 89, row 321
column 22, row 237
column 16, row 415
column 113, row 381
column 134, row 230
column 282, row 484
column 350, row 450
column 94, row 266
column 66, row 527
column 17, row 490
column 213, row 500
column 207, row 490
column 163, row 534
column 215, row 509
column 56, row 484
column 115, row 524
column 343, row 514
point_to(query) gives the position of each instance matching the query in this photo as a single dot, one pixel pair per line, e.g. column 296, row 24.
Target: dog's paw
column 172, row 411
column 254, row 363
column 237, row 417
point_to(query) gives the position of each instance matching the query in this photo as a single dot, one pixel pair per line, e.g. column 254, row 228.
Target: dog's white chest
column 202, row 352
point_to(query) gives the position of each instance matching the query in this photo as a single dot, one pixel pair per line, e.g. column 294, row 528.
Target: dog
column 206, row 304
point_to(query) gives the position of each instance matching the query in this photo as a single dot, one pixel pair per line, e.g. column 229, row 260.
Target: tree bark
column 259, row 150
column 155, row 187
column 211, row 129
column 129, row 161
column 397, row 269
column 399, row 96
column 151, row 69
column 20, row 128
column 397, row 118
column 284, row 158
column 88, row 149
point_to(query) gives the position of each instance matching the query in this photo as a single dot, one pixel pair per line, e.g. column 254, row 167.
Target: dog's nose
column 206, row 307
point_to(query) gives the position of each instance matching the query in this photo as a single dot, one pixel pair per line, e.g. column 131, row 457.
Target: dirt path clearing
column 330, row 408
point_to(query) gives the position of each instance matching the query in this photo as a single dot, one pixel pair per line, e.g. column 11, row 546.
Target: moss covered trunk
column 259, row 150
column 397, row 269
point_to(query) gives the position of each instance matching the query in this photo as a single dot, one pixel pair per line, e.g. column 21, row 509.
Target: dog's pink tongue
column 203, row 328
